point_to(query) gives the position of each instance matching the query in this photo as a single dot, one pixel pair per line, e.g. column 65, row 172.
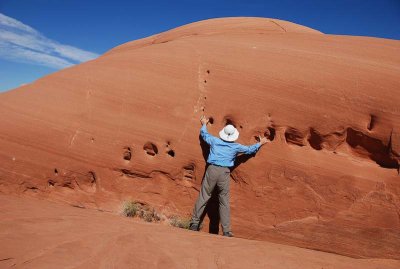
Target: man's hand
column 262, row 140
column 204, row 120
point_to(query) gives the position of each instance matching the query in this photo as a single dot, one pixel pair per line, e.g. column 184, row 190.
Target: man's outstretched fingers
column 262, row 140
column 204, row 120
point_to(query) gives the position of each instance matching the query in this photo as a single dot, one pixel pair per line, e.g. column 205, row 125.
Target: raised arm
column 204, row 133
column 248, row 149
column 253, row 148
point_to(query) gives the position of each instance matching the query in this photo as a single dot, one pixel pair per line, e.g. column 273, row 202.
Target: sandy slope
column 41, row 234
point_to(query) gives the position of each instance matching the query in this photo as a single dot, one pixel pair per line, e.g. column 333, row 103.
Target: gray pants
column 220, row 176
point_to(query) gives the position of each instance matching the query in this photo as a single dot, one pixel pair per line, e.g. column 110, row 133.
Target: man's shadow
column 212, row 207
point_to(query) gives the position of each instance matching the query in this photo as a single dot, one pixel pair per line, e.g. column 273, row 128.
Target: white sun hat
column 229, row 133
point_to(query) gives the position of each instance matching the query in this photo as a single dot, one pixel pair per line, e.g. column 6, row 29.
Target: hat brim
column 229, row 138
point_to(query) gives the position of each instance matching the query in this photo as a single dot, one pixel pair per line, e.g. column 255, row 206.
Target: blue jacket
column 223, row 153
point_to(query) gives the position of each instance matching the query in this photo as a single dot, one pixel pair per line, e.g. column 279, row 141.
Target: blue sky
column 38, row 37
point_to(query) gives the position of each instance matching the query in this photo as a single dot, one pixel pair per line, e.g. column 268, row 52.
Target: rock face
column 39, row 234
column 126, row 126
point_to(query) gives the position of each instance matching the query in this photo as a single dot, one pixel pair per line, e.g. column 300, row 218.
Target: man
column 222, row 155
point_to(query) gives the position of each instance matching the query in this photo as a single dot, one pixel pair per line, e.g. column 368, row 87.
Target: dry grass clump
column 180, row 222
column 149, row 214
column 143, row 211
column 130, row 209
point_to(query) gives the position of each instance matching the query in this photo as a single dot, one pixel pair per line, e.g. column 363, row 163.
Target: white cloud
column 13, row 23
column 21, row 43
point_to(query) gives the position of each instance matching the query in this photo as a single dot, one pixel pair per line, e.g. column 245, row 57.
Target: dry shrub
column 130, row 209
column 145, row 212
column 180, row 222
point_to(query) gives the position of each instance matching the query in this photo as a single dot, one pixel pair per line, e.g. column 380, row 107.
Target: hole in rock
column 188, row 171
column 171, row 153
column 92, row 139
column 205, row 81
column 229, row 120
column 93, row 177
column 371, row 123
column 55, row 171
column 133, row 174
column 208, row 71
column 205, row 97
column 294, row 136
column 127, row 153
column 240, row 126
column 373, row 148
column 315, row 139
column 270, row 134
column 211, row 120
column 51, row 183
column 328, row 141
column 150, row 149
column 33, row 188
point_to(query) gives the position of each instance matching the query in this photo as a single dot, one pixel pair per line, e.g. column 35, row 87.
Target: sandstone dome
column 126, row 126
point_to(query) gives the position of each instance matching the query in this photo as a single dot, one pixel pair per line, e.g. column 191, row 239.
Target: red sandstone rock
column 126, row 126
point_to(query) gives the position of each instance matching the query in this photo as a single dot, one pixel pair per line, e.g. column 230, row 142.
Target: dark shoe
column 194, row 227
column 228, row 234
